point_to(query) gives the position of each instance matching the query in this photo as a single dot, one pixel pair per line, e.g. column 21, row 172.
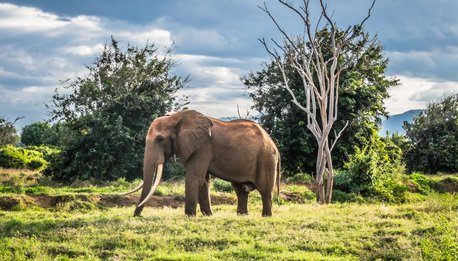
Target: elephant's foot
column 266, row 213
column 190, row 211
column 242, row 212
column 207, row 213
column 137, row 212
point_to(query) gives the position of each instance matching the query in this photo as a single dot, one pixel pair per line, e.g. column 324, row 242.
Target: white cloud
column 83, row 50
column 417, row 93
column 28, row 19
column 161, row 38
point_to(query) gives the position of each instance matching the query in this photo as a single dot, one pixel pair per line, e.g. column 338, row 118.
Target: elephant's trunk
column 155, row 184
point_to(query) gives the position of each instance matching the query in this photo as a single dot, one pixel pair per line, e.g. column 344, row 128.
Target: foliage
column 35, row 133
column 222, row 185
column 174, row 171
column 43, row 133
column 107, row 112
column 433, row 137
column 8, row 132
column 441, row 242
column 363, row 86
column 300, row 178
column 375, row 169
column 30, row 157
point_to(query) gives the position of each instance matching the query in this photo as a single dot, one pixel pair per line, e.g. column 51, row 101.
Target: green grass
column 295, row 232
column 78, row 227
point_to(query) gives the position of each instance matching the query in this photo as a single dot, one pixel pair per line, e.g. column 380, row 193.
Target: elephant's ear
column 193, row 133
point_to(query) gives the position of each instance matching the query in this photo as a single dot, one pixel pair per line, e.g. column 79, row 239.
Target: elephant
column 238, row 151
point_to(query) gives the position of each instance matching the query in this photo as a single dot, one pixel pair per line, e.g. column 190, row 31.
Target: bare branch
column 338, row 135
column 368, row 13
column 240, row 116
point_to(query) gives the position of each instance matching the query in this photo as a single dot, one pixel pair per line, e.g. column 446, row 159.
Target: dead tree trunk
column 320, row 76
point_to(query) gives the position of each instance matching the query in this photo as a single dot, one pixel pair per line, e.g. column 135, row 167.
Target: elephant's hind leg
column 242, row 198
column 266, row 203
column 204, row 197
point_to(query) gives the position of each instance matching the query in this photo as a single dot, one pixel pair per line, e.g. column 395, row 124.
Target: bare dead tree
column 320, row 77
column 247, row 115
column 7, row 130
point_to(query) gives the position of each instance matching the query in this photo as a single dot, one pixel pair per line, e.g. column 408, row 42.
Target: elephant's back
column 244, row 133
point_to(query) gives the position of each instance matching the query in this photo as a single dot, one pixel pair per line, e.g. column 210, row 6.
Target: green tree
column 8, row 133
column 107, row 112
column 433, row 138
column 363, row 87
column 43, row 133
column 34, row 134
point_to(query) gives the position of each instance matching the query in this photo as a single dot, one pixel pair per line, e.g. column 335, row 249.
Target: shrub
column 300, row 178
column 174, row 171
column 374, row 170
column 422, row 183
column 222, row 185
column 30, row 157
column 12, row 157
column 340, row 196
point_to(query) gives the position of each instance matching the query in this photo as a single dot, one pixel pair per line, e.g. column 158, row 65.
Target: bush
column 12, row 157
column 222, row 185
column 300, row 178
column 374, row 170
column 422, row 183
column 34, row 158
column 174, row 171
column 340, row 196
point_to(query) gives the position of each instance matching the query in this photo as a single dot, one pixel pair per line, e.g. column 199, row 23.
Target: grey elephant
column 239, row 151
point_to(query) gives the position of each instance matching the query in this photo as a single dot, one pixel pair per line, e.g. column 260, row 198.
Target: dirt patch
column 8, row 203
column 103, row 200
column 448, row 184
column 293, row 197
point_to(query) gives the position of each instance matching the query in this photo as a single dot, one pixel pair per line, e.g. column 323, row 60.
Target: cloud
column 83, row 50
column 57, row 48
column 438, row 63
column 417, row 93
column 28, row 19
column 215, row 85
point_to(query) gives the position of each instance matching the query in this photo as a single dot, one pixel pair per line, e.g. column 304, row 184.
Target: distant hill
column 394, row 123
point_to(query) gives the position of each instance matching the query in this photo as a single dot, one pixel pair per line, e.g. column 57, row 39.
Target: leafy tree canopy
column 35, row 133
column 433, row 138
column 363, row 87
column 43, row 133
column 107, row 112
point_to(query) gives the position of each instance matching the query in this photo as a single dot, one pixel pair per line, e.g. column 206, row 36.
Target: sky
column 43, row 43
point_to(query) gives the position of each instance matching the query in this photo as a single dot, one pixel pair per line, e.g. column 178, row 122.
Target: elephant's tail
column 278, row 175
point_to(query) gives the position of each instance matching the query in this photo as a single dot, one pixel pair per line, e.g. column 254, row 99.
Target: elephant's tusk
column 134, row 190
column 156, row 183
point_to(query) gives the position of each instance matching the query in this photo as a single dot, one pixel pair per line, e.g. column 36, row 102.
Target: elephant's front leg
column 204, row 197
column 192, row 187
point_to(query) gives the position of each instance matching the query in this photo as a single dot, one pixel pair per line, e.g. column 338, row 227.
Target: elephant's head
column 181, row 134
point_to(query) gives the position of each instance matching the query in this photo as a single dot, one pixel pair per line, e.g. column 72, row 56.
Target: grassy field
column 82, row 226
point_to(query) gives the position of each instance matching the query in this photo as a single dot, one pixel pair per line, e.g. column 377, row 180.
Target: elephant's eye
column 159, row 139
